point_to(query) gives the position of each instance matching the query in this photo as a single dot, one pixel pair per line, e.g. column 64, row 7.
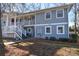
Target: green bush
column 46, row 38
column 63, row 39
column 53, row 38
column 29, row 35
column 74, row 37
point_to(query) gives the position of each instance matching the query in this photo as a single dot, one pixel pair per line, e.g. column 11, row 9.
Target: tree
column 2, row 47
column 75, row 16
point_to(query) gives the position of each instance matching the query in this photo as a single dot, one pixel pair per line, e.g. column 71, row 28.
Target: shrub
column 29, row 35
column 63, row 39
column 73, row 38
column 53, row 38
column 46, row 38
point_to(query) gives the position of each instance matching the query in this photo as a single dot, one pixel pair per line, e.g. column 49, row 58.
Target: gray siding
column 40, row 32
column 40, row 18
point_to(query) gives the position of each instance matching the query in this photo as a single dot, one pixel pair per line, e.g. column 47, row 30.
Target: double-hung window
column 48, row 30
column 59, row 13
column 60, row 29
column 48, row 15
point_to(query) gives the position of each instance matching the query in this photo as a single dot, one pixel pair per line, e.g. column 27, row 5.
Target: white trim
column 29, row 22
column 50, row 29
column 50, row 15
column 15, row 21
column 59, row 10
column 68, row 24
column 7, row 21
column 35, row 24
column 57, row 29
column 47, row 24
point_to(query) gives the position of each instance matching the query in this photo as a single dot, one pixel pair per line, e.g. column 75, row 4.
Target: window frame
column 62, row 27
column 12, row 23
column 50, row 29
column 59, row 10
column 50, row 15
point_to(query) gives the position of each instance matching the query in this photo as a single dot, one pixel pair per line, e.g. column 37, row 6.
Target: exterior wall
column 40, row 31
column 40, row 18
column 10, row 35
column 7, row 30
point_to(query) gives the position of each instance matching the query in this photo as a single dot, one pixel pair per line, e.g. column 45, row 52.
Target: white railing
column 18, row 37
column 18, row 30
column 9, row 29
column 23, row 31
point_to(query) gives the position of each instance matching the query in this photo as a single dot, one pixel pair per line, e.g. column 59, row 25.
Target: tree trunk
column 2, row 47
column 75, row 19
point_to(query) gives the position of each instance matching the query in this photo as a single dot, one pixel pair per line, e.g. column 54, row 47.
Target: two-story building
column 51, row 22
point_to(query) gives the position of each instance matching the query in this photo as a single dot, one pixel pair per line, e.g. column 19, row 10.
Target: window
column 48, row 30
column 47, row 15
column 60, row 29
column 12, row 21
column 59, row 13
column 29, row 30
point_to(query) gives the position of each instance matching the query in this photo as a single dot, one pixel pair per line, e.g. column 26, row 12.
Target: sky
column 71, row 17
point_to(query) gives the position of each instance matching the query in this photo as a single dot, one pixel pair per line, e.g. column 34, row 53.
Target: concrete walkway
column 7, row 43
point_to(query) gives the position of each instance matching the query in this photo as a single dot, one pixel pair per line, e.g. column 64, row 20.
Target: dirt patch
column 13, row 51
column 42, row 48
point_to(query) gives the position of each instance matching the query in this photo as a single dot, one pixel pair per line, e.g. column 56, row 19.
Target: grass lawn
column 42, row 48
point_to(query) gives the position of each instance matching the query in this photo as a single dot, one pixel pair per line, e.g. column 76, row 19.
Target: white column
column 29, row 21
column 35, row 24
column 15, row 21
column 7, row 21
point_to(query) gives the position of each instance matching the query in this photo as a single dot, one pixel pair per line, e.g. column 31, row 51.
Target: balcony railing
column 9, row 29
column 26, row 22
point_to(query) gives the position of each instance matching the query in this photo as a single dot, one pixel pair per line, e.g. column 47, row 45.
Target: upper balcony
column 25, row 20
